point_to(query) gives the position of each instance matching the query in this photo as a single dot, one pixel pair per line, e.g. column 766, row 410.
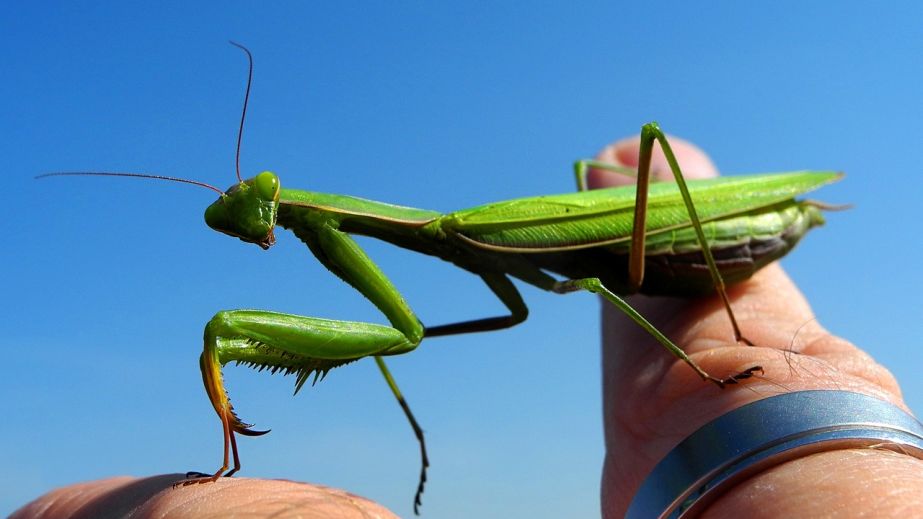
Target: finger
column 693, row 161
column 652, row 401
column 769, row 306
column 156, row 497
column 771, row 294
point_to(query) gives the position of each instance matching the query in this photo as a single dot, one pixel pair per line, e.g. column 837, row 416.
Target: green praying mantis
column 681, row 239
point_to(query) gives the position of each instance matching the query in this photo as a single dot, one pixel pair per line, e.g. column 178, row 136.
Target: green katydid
column 682, row 238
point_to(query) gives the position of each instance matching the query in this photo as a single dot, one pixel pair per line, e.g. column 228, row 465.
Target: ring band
column 768, row 432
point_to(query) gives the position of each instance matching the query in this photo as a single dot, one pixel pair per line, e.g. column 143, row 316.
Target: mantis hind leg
column 650, row 133
column 595, row 286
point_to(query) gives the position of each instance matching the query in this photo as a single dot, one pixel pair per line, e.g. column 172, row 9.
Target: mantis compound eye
column 267, row 185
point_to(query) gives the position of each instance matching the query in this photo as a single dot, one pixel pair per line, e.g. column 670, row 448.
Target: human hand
column 652, row 401
column 155, row 497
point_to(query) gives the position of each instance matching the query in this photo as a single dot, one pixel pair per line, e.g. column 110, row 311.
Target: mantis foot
column 194, row 474
column 745, row 340
column 195, row 478
column 743, row 375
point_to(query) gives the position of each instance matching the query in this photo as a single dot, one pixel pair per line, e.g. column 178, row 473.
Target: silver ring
column 768, row 432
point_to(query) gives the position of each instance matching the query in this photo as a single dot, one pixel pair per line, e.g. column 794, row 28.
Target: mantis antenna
column 240, row 134
column 243, row 113
column 134, row 175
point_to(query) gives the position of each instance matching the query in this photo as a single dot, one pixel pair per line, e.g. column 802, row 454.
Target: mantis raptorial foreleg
column 310, row 346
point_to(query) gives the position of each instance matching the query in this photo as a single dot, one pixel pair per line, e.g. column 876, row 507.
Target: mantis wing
column 602, row 217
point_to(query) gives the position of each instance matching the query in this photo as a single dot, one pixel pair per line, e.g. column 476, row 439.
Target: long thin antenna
column 134, row 175
column 243, row 115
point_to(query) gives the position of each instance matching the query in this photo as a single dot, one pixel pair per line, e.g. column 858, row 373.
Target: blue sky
column 109, row 283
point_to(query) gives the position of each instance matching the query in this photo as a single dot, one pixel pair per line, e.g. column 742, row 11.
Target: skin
column 651, row 401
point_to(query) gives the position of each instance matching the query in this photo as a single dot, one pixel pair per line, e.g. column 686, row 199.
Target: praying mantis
column 681, row 239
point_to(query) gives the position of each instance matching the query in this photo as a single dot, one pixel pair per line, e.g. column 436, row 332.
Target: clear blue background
column 108, row 283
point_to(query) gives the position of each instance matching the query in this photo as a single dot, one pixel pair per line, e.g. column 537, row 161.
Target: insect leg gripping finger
column 214, row 385
column 230, row 423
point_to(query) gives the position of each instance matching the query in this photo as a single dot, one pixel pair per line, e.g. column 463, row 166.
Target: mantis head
column 248, row 210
